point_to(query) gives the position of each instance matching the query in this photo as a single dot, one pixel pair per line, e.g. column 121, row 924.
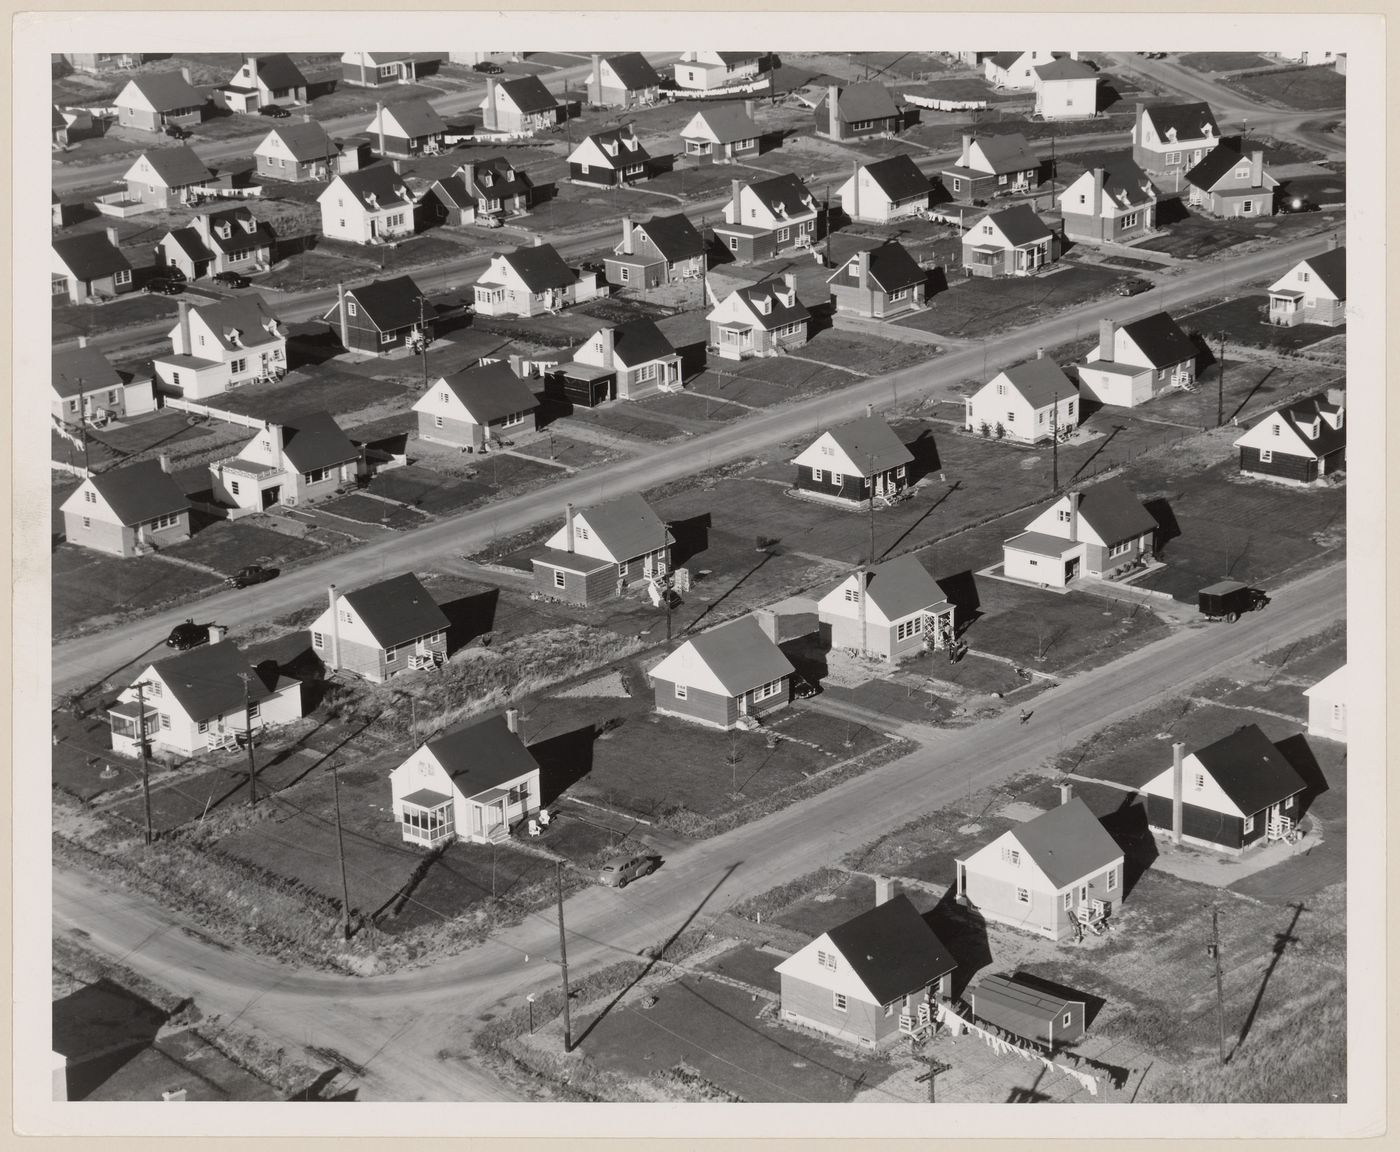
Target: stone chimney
column 568, row 527
column 185, row 72
column 855, row 191
column 627, row 235
column 1066, row 793
column 334, row 661
column 513, row 714
column 735, row 187
column 966, row 154
column 185, row 348
column 1106, row 339
column 165, row 463
column 863, row 268
column 114, row 238
column 884, row 890
column 606, row 338
column 1256, row 169
column 489, row 119
column 344, row 317
column 833, row 111
column 1072, row 498
column 1177, row 750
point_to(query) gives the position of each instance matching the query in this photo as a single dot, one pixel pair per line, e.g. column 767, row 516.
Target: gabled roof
column 1007, row 153
column 1040, row 381
column 390, row 304
column 378, row 180
column 278, row 71
column 246, row 315
column 1250, row 770
column 899, row 177
column 871, row 445
column 415, row 116
column 1020, row 999
column 1124, row 181
column 177, row 167
column 240, row 236
column 77, row 370
column 634, row 70
column 729, row 123
column 618, row 139
column 482, row 756
column 675, row 237
column 1112, row 511
column 506, row 180
column 1065, row 69
column 1189, row 120
column 90, row 256
column 1161, row 340
column 767, row 293
column 208, row 680
column 140, row 492
column 453, row 190
column 785, row 191
column 901, row 586
column 863, row 102
column 490, row 391
column 529, row 94
column 1328, row 438
column 891, row 268
column 1004, row 60
column 1019, row 224
column 626, row 527
column 305, row 140
column 739, row 57
column 640, row 341
column 1332, row 686
column 738, row 655
column 892, row 949
column 166, row 91
column 314, row 440
column 190, row 243
column 397, row 610
column 1216, row 164
column 1331, row 268
column 540, row 267
column 1068, row 843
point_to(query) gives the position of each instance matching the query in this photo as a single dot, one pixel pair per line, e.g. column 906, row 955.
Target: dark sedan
column 187, row 635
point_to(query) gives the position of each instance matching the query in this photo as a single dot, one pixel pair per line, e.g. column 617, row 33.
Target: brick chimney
column 748, row 109
column 489, row 119
column 833, row 112
column 1106, row 339
column 735, row 187
column 860, row 606
column 185, row 347
column 1066, row 793
column 334, row 661
column 344, row 317
column 1137, row 123
column 884, row 890
column 966, row 154
column 1177, row 750
column 855, row 190
column 517, row 365
column 165, row 463
column 513, row 714
column 627, row 235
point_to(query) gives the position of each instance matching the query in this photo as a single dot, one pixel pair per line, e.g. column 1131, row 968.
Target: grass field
column 1222, row 61
column 328, row 387
column 1306, row 89
column 1243, row 320
column 979, row 306
column 430, row 491
column 91, row 589
column 228, row 545
column 1195, row 237
column 71, row 320
column 366, row 510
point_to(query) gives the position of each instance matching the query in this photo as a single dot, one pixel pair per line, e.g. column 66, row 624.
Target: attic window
column 1001, row 389
column 827, row 450
column 1012, row 856
column 1064, row 516
column 1274, row 430
column 351, row 309
column 1200, row 781
column 986, row 229
column 853, row 595
column 1242, row 173
column 826, row 960
column 582, row 532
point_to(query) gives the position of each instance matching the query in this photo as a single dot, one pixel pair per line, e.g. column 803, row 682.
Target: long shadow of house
column 808, row 654
column 692, row 537
column 1299, row 753
column 1128, row 826
column 564, row 760
column 98, row 1029
column 924, row 449
column 1167, row 527
column 965, row 937
column 960, row 590
column 469, row 617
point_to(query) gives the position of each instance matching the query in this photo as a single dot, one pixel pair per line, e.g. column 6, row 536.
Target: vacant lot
column 92, row 589
column 1244, row 320
column 367, row 510
column 979, row 306
column 1195, row 237
column 327, row 387
column 72, row 320
column 230, row 545
column 1306, row 89
column 430, row 491
column 1222, row 61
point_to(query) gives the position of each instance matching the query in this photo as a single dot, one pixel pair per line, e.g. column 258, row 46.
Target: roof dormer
column 763, row 304
column 371, row 199
column 235, row 337
column 223, row 229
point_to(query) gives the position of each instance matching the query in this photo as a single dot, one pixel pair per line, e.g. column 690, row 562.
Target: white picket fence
column 213, row 413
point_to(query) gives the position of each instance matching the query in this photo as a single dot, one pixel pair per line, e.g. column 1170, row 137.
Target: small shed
column 1029, row 1012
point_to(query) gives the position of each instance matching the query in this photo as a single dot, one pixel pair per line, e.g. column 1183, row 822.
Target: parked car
column 175, row 132
column 1134, row 285
column 1296, row 204
column 622, row 870
column 165, row 285
column 252, row 574
column 232, row 279
column 275, row 110
column 489, row 67
column 1229, row 599
column 803, row 689
column 187, row 635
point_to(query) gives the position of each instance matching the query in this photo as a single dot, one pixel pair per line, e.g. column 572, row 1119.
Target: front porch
column 123, row 721
column 428, row 818
column 1285, row 308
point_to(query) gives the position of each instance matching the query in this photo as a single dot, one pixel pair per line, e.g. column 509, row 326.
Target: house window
column 765, row 691
column 1242, row 173
column 558, row 578
column 853, row 595
column 1023, row 896
column 1119, row 549
column 390, row 655
column 784, row 233
column 583, row 169
column 734, row 243
column 957, row 184
column 1083, row 893
column 1068, row 1017
column 1011, row 417
column 1129, row 221
column 90, row 496
column 164, row 721
column 1200, row 781
column 238, row 366
column 1266, row 456
column 1000, row 180
column 316, row 475
column 318, row 641
column 1304, row 277
column 899, row 294
column 1274, row 430
column 1336, row 713
column 175, row 378
column 388, row 337
column 1112, row 879
column 1012, row 856
column 164, row 522
column 625, row 274
column 351, row 309
column 682, row 692
column 906, row 629
column 345, row 617
column 1069, row 901
column 204, row 725
column 233, row 487
column 87, row 521
column 1248, row 825
column 838, row 1001
column 122, row 277
column 818, row 476
column 1247, row 207
column 1173, row 158
column 889, row 1009
column 837, row 478
column 513, row 419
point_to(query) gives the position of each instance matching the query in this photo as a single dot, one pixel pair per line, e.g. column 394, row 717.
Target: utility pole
column 1054, row 443
column 1219, row 977
column 340, row 851
column 145, row 763
column 563, row 955
column 934, row 1068
column 871, row 465
column 664, row 583
column 248, row 735
column 423, row 338
column 1220, row 386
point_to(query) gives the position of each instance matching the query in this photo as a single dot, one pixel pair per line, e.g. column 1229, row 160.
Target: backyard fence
column 213, row 413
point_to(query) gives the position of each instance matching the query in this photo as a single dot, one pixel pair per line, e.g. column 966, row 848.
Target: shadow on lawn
column 1128, row 826
column 960, row 590
column 1297, row 752
column 1167, row 527
column 469, row 617
column 692, row 537
column 929, row 511
column 964, row 935
column 564, row 760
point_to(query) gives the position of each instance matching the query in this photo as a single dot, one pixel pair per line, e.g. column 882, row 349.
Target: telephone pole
column 145, row 763
column 1220, row 386
column 1054, row 443
column 340, row 851
column 870, row 463
column 563, row 955
column 934, row 1068
column 248, row 736
column 423, row 339
column 1219, row 977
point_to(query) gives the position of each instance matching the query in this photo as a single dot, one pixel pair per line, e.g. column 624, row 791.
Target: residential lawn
column 400, row 426
column 72, row 320
column 925, row 849
column 701, row 183
column 228, row 545
column 1244, row 320
column 743, row 387
column 165, row 428
column 568, row 451
column 978, row 306
column 1306, row 89
column 1309, row 660
column 328, row 387
column 973, row 674
column 346, row 100
column 869, row 354
column 92, row 589
column 463, row 877
column 621, row 309
column 575, row 207
column 823, row 910
column 1223, row 61
column 891, row 701
column 1197, row 236
column 747, row 963
column 308, row 271
column 1329, row 189
column 427, row 490
column 624, row 420
column 367, row 510
column 412, row 252
column 687, row 406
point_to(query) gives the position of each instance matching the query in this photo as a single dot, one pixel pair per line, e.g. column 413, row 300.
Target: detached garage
column 1009, row 1003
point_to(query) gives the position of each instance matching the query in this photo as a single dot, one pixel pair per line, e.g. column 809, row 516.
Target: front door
column 744, row 704
column 271, row 495
column 1071, row 569
column 476, row 820
column 373, row 227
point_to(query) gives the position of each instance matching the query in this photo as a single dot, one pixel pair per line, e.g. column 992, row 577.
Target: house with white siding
column 1015, row 71
column 1313, row 291
column 1012, row 242
column 1027, row 403
column 1097, row 532
column 296, row 152
column 381, row 630
column 298, row 461
column 406, row 128
column 706, row 71
column 265, row 82
column 889, row 611
column 222, row 345
column 132, row 510
column 90, row 267
column 1231, row 185
column 531, row 282
column 1327, row 706
column 218, row 240
column 1134, row 362
column 520, row 107
column 722, row 134
column 368, row 206
column 626, row 80
column 1065, row 89
column 762, row 319
column 87, row 388
column 884, row 191
column 767, row 218
column 169, row 177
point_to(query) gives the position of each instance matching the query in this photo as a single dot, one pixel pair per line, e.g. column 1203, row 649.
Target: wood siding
column 1284, row 466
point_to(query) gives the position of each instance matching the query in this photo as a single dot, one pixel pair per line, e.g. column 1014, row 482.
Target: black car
column 252, row 574
column 165, row 285
column 1133, row 286
column 1296, row 204
column 177, row 133
column 187, row 635
column 274, row 110
column 488, row 67
column 232, row 279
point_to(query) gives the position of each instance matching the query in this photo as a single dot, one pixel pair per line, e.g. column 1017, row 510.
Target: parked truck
column 1228, row 600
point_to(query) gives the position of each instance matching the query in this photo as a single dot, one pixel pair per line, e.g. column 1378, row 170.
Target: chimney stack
column 595, row 83
column 966, row 150
column 884, row 890
column 1096, row 203
column 1106, row 340
column 82, row 341
column 216, row 633
column 114, row 238
column 335, row 630
column 1040, row 353
column 539, row 241
column 608, row 339
column 344, row 318
column 185, row 72
column 1177, row 750
column 627, row 235
column 379, row 123
column 855, row 191
column 734, row 188
column 165, row 463
column 397, row 166
column 517, row 363
column 488, row 109
column 1073, row 499
column 833, row 115
column 863, row 268
column 860, row 605
column 1332, row 242
column 1066, row 793
column 789, row 282
column 568, row 528
column 748, row 109
column 513, row 714
column 869, row 411
column 184, row 349
column 1256, row 169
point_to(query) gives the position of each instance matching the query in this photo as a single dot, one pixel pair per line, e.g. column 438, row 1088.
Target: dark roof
column 627, row 527
column 1005, row 59
column 1328, row 438
column 305, row 140
column 90, row 256
column 415, row 116
column 1215, row 165
column 506, row 180
column 1161, row 340
column 390, row 304
column 541, row 267
column 529, row 94
column 786, row 191
column 1331, row 268
column 863, row 102
column 1189, row 120
column 239, row 236
column 901, row 586
column 178, row 167
column 453, row 191
column 190, row 242
column 248, row 316
column 1067, row 843
column 1016, row 998
column 207, row 681
column 741, row 655
column 739, row 57
column 1065, row 69
column 491, row 391
column 675, row 237
column 1040, row 381
column 871, row 445
column 899, row 177
column 482, row 756
column 634, row 70
column 140, row 492
column 166, row 91
column 892, row 949
column 1111, row 510
column 88, row 365
column 778, row 314
column 891, row 267
column 640, row 341
column 397, row 610
column 1250, row 770
column 379, row 181
column 314, row 440
column 278, row 71
column 729, row 123
column 1019, row 223
column 1124, row 180
column 617, row 138
column 1007, row 153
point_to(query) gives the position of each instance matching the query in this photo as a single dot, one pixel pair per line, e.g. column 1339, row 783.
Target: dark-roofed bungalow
column 85, row 386
column 1012, row 242
column 89, row 266
column 871, row 979
column 168, row 177
column 129, row 511
column 853, row 462
column 406, row 128
column 760, row 319
column 1114, row 201
column 638, row 360
column 601, row 551
column 878, row 283
column 992, row 166
column 1229, row 184
column 296, row 152
column 381, row 630
column 662, row 250
column 379, row 317
column 1027, row 403
column 478, row 408
column 623, row 81
column 474, row 784
column 1027, row 1010
column 1097, row 532
column 227, row 240
column 1171, row 138
column 519, row 107
column 303, row 459
column 886, row 190
column 890, row 611
column 368, row 206
column 1134, row 362
column 726, row 677
column 264, row 81
column 722, row 134
column 1301, row 443
column 1233, row 795
column 151, row 101
column 1313, row 291
column 480, row 191
column 859, row 112
column 610, row 159
column 768, row 217
column 1054, row 875
column 195, row 702
column 532, row 281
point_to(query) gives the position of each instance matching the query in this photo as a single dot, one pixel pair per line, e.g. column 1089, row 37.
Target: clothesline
column 957, row 1026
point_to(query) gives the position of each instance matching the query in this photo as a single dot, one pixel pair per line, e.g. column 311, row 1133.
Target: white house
column 86, row 387
column 1097, row 532
column 381, row 630
column 889, row 611
column 264, row 81
column 530, row 282
column 1134, row 362
column 760, row 319
column 1065, row 90
column 219, row 346
column 1015, row 71
column 626, row 80
column 368, row 206
column 1028, row 403
column 302, row 459
column 609, row 159
column 473, row 784
column 707, row 71
column 884, row 191
column 169, row 177
column 519, row 107
column 723, row 133
column 1313, row 291
column 201, row 700
column 128, row 511
column 641, row 359
column 1114, row 201
column 1327, row 706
